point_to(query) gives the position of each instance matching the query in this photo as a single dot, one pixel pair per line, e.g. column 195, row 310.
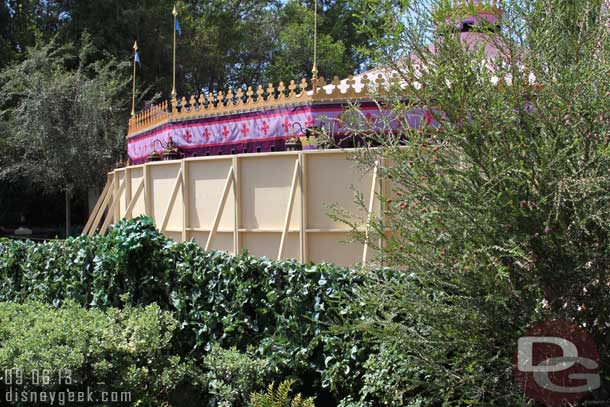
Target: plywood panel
column 330, row 178
column 333, row 248
column 206, row 181
column 265, row 188
column 162, row 179
column 137, row 176
column 177, row 236
column 222, row 240
column 267, row 244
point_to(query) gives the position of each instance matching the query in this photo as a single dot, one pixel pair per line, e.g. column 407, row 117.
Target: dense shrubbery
column 499, row 207
column 125, row 349
column 277, row 315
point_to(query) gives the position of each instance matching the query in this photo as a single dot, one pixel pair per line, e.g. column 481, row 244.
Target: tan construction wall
column 270, row 204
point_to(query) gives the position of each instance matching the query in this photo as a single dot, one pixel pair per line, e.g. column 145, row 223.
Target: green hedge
column 282, row 311
column 54, row 349
column 127, row 352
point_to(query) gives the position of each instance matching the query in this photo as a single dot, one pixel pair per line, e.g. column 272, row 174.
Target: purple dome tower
column 472, row 15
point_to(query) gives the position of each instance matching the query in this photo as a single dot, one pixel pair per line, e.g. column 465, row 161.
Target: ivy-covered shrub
column 45, row 349
column 281, row 311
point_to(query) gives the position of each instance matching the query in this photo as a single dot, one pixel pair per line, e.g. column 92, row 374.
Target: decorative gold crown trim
column 235, row 102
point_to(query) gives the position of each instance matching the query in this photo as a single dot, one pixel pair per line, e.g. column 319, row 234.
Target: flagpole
column 175, row 14
column 133, row 92
column 314, row 70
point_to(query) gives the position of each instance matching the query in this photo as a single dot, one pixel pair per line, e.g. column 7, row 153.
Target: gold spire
column 133, row 92
column 175, row 14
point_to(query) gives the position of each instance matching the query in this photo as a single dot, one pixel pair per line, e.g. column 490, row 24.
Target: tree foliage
column 293, row 55
column 498, row 214
column 62, row 126
column 222, row 43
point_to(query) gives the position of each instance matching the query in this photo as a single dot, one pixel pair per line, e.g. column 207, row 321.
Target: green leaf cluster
column 280, row 397
column 111, row 350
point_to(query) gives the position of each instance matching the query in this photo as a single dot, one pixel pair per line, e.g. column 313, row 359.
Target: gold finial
column 135, row 45
column 174, row 11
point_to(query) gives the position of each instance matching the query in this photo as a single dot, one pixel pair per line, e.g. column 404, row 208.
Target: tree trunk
column 68, row 212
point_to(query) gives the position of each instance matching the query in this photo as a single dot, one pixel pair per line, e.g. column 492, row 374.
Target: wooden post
column 102, row 208
column 237, row 204
column 382, row 192
column 147, row 195
column 221, row 206
column 172, row 199
column 128, row 190
column 133, row 200
column 293, row 189
column 370, row 213
column 186, row 203
column 97, row 206
column 304, row 220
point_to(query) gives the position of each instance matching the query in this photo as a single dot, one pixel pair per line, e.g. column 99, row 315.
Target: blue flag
column 136, row 57
column 178, row 29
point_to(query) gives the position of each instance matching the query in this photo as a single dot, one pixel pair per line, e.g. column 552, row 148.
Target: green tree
column 222, row 43
column 22, row 24
column 342, row 22
column 293, row 54
column 226, row 43
column 341, row 44
column 63, row 128
column 113, row 26
column 497, row 217
column 6, row 51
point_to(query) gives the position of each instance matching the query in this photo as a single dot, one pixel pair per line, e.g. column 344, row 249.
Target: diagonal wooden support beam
column 221, row 206
column 370, row 213
column 96, row 207
column 115, row 202
column 293, row 190
column 101, row 209
column 134, row 199
column 172, row 199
